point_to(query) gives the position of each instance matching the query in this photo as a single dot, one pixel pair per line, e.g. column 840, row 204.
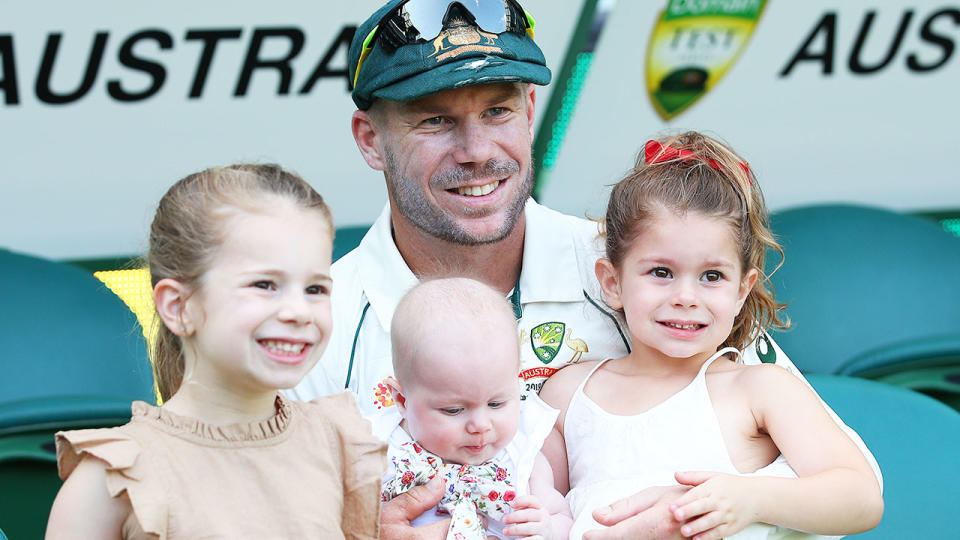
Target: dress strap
column 718, row 354
column 583, row 383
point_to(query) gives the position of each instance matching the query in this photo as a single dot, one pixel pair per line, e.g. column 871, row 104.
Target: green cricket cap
column 460, row 56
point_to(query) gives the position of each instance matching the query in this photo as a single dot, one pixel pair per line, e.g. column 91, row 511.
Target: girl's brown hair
column 692, row 172
column 188, row 228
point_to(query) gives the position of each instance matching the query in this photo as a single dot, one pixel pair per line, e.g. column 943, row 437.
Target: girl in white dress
column 686, row 236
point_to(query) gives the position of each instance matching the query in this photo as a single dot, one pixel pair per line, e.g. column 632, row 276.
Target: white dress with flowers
column 536, row 421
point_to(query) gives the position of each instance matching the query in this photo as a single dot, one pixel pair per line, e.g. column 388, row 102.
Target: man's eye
column 434, row 121
column 711, row 275
column 661, row 272
column 265, row 285
column 496, row 111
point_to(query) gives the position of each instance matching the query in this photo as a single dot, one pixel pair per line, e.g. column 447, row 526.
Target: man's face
column 458, row 163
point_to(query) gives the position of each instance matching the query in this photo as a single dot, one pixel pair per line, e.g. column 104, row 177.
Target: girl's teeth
column 283, row 347
column 683, row 326
column 478, row 191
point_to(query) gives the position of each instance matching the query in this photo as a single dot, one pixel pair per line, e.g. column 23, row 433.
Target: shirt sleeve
column 126, row 468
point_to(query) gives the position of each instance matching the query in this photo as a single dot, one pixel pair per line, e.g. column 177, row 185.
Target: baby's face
column 464, row 405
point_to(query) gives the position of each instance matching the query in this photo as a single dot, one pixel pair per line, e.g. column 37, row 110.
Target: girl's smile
column 284, row 351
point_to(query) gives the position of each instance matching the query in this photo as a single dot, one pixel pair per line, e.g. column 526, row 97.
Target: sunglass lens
column 427, row 16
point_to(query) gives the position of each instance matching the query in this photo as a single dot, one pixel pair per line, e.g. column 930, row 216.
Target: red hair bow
column 655, row 152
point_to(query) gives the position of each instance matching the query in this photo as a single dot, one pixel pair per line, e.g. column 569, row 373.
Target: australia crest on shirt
column 545, row 348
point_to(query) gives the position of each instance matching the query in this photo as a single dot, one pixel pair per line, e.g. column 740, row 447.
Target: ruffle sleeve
column 125, row 470
column 364, row 462
column 536, row 422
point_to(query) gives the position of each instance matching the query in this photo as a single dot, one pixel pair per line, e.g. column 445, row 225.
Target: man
column 445, row 99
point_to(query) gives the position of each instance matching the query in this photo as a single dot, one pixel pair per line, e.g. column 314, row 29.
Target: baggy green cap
column 460, row 56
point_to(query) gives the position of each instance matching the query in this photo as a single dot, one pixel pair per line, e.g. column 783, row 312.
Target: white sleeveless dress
column 613, row 456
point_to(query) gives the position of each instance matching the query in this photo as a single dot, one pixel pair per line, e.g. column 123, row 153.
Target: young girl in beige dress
column 239, row 259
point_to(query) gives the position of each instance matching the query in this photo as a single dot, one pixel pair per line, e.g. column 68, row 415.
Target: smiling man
column 445, row 94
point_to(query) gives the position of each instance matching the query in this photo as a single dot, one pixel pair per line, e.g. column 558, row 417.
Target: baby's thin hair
column 436, row 302
column 692, row 172
column 187, row 230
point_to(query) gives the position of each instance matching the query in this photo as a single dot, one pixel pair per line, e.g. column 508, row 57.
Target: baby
column 458, row 414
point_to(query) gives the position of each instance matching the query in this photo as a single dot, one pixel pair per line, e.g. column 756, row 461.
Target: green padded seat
column 348, row 238
column 73, row 356
column 915, row 440
column 872, row 293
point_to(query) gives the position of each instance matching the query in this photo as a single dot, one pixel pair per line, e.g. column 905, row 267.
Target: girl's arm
column 555, row 453
column 836, row 492
column 544, row 513
column 84, row 508
column 557, row 392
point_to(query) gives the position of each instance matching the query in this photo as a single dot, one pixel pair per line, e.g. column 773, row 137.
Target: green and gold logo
column 546, row 340
column 693, row 45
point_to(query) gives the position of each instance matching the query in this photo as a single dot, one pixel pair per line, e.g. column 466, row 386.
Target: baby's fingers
column 528, row 529
column 705, row 527
column 525, row 501
column 524, row 516
column 684, row 510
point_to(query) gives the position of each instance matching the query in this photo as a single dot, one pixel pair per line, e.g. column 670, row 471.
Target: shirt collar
column 551, row 270
column 384, row 274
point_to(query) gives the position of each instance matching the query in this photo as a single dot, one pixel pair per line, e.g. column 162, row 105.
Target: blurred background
column 847, row 113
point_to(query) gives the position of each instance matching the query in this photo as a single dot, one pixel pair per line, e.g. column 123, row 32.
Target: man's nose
column 474, row 143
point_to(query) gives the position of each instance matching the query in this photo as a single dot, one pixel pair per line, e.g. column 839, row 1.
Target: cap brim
column 468, row 72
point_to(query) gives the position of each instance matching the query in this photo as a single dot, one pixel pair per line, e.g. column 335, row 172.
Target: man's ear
column 366, row 134
column 396, row 392
column 170, row 297
column 746, row 285
column 609, row 282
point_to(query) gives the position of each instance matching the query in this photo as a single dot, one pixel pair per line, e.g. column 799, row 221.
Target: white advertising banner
column 104, row 103
column 852, row 101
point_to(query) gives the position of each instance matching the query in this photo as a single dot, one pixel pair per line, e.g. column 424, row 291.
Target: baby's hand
column 529, row 519
column 719, row 505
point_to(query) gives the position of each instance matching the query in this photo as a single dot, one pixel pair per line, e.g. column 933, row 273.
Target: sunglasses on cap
column 419, row 21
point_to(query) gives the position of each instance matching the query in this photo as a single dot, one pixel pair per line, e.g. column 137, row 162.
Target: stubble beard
column 412, row 202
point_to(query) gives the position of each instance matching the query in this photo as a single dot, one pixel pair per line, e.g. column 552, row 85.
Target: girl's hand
column 719, row 505
column 529, row 519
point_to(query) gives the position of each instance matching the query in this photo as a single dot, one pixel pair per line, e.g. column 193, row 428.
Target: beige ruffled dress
column 311, row 471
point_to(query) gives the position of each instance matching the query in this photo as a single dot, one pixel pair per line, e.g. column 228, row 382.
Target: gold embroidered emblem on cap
column 461, row 37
